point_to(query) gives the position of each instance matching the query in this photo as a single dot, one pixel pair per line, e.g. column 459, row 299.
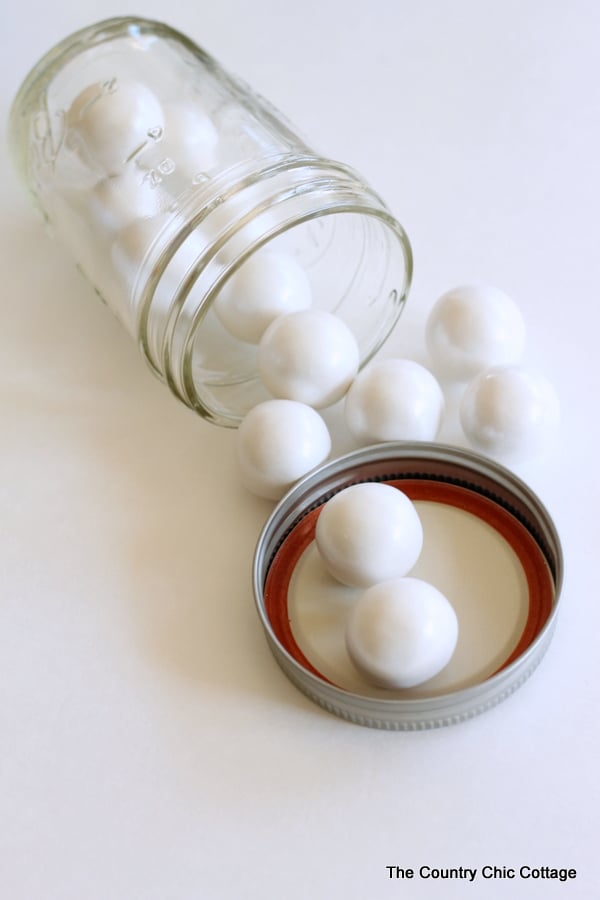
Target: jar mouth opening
column 316, row 212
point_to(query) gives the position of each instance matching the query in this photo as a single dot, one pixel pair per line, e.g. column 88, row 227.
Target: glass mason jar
column 165, row 176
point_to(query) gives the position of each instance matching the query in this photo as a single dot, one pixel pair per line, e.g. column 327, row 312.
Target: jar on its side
column 164, row 175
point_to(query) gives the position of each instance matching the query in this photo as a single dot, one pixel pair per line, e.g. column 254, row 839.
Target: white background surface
column 149, row 746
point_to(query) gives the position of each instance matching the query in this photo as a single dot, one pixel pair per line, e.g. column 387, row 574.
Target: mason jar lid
column 489, row 545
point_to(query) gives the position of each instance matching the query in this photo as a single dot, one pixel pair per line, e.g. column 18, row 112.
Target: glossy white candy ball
column 401, row 633
column 394, row 400
column 131, row 244
column 310, row 356
column 127, row 252
column 116, row 201
column 240, row 220
column 111, row 122
column 190, row 139
column 471, row 328
column 278, row 442
column 510, row 412
column 267, row 285
column 368, row 533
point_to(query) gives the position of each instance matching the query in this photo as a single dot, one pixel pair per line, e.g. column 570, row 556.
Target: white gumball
column 368, row 533
column 267, row 285
column 401, row 633
column 190, row 139
column 109, row 122
column 310, row 356
column 116, row 201
column 239, row 221
column 278, row 442
column 471, row 328
column 132, row 243
column 510, row 412
column 129, row 250
column 394, row 400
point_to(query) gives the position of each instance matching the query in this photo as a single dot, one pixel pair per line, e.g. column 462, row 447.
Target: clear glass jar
column 164, row 175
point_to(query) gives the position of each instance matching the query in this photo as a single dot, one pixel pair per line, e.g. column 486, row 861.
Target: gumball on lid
column 401, row 633
column 368, row 533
